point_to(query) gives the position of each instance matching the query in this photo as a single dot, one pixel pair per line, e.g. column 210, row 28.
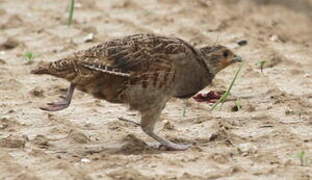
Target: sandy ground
column 270, row 137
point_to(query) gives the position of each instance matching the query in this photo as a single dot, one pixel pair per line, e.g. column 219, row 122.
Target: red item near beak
column 210, row 97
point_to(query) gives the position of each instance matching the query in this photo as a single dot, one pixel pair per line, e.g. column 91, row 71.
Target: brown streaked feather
column 134, row 53
column 105, row 69
column 145, row 59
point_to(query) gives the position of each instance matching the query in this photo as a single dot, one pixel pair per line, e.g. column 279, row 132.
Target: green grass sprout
column 71, row 12
column 227, row 93
column 184, row 108
column 238, row 104
column 261, row 64
column 29, row 56
column 302, row 158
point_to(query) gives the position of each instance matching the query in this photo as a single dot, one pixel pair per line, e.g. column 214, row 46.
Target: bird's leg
column 148, row 122
column 62, row 104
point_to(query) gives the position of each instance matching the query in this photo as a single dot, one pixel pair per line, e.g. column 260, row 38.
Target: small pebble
column 37, row 92
column 168, row 125
column 242, row 42
column 78, row 137
column 307, row 75
column 9, row 44
column 247, row 148
column 85, row 160
column 89, row 37
column 13, row 142
column 2, row 61
column 3, row 126
column 276, row 38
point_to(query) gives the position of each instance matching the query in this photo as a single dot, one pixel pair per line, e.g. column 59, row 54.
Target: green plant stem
column 227, row 93
column 262, row 65
column 184, row 108
column 71, row 12
column 301, row 157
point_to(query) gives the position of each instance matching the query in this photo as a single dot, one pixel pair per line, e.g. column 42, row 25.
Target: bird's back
column 144, row 60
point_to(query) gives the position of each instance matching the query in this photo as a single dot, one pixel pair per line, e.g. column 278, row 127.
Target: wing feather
column 141, row 57
column 105, row 69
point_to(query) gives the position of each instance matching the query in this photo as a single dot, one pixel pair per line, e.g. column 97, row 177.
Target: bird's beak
column 237, row 59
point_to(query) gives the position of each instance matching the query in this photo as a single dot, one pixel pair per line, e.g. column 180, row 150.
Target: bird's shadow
column 131, row 145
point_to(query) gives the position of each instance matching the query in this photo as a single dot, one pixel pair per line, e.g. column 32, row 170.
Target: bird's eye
column 225, row 53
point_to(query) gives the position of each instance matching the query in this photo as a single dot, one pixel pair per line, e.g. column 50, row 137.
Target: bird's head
column 218, row 57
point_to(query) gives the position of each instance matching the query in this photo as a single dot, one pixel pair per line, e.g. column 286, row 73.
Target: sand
column 270, row 137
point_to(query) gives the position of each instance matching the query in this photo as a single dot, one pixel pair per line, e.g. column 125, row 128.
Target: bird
column 143, row 71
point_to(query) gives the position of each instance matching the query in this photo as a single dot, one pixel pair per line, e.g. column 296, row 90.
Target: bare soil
column 270, row 137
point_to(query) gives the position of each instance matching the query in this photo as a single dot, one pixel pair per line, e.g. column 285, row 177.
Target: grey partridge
column 142, row 70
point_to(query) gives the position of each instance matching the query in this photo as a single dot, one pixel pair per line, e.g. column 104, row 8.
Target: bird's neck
column 193, row 82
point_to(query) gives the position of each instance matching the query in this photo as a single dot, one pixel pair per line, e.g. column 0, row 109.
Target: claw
column 64, row 103
column 55, row 106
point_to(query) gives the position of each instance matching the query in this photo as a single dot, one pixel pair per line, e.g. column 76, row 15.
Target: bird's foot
column 56, row 106
column 175, row 147
column 63, row 103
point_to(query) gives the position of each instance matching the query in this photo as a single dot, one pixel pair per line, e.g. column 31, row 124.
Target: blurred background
column 269, row 137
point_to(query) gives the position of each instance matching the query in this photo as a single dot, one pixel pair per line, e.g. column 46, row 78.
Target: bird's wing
column 133, row 55
column 140, row 57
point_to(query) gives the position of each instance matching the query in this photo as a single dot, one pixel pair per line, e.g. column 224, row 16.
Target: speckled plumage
column 142, row 70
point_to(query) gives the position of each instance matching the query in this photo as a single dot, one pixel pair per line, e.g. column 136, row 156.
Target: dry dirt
column 270, row 137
